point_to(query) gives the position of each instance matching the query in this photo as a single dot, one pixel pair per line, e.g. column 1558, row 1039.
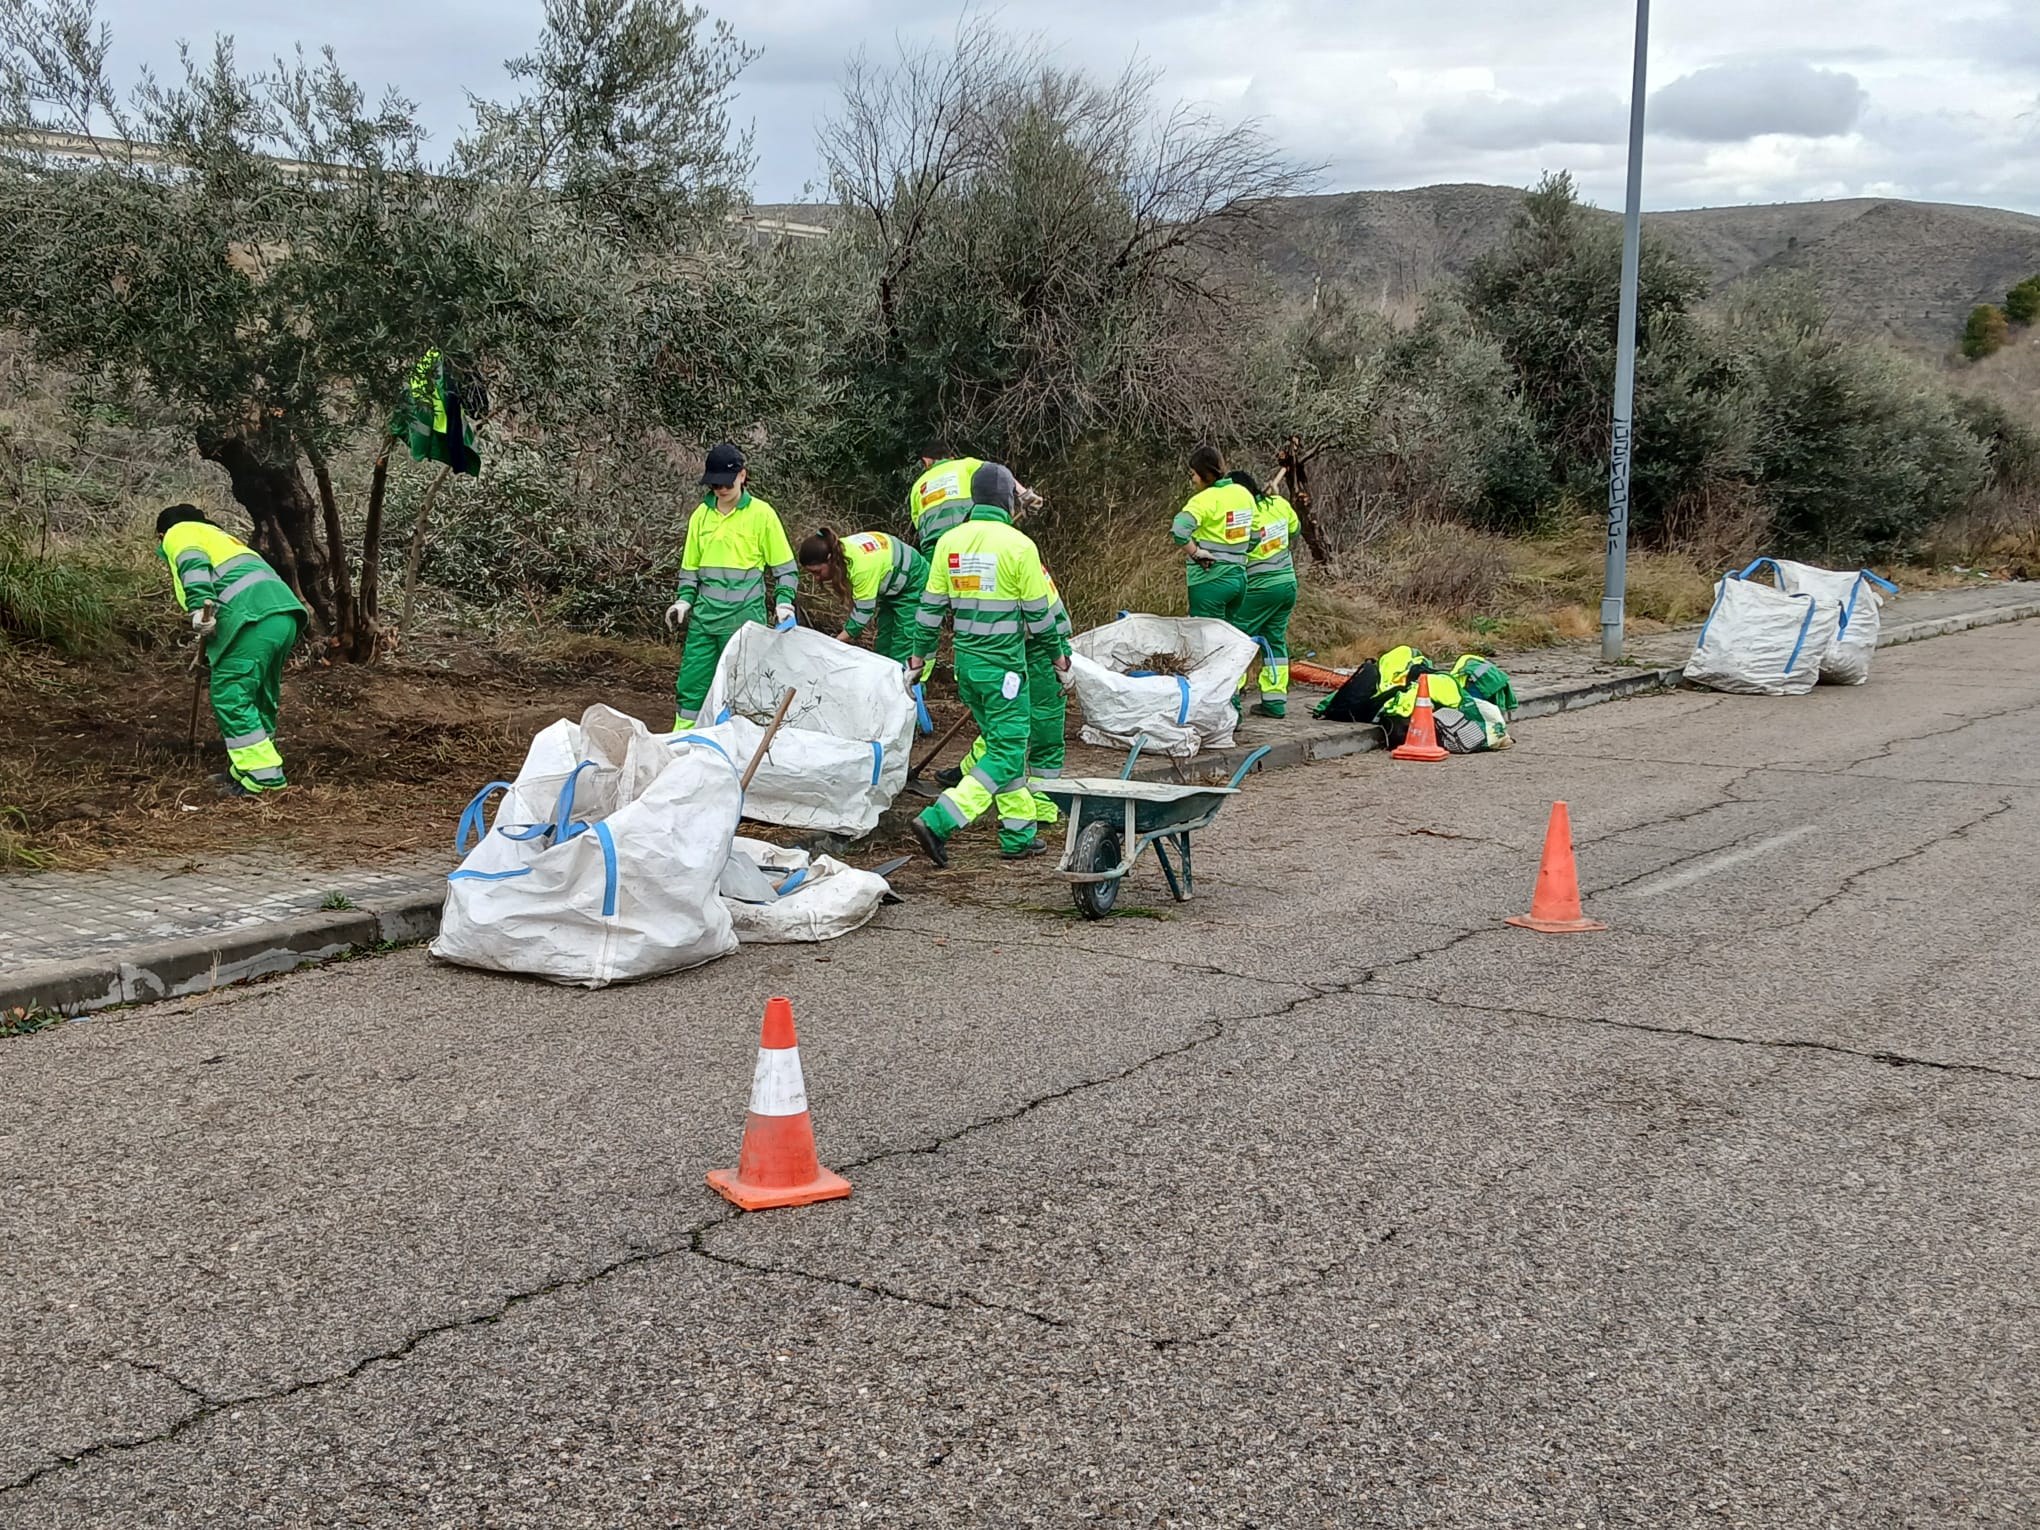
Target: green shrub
column 1986, row 332
column 2022, row 303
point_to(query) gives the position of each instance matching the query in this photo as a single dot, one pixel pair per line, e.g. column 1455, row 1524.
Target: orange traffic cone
column 777, row 1164
column 1422, row 741
column 1555, row 905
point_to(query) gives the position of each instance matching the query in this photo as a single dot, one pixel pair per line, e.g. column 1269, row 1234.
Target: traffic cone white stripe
column 777, row 1088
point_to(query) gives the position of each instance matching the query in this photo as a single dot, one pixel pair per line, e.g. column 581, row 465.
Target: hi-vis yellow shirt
column 1276, row 526
column 941, row 500
column 988, row 575
column 1217, row 520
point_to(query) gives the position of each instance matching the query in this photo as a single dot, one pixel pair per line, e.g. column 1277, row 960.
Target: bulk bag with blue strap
column 1859, row 595
column 603, row 862
column 1760, row 640
column 1122, row 698
column 841, row 756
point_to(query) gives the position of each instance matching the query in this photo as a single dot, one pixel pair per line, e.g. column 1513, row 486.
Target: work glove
column 782, row 614
column 913, row 672
column 203, row 624
column 676, row 613
column 1066, row 672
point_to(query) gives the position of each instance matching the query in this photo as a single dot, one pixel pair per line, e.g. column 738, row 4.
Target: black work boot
column 931, row 846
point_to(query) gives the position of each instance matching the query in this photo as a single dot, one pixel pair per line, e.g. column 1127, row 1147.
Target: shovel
column 194, row 665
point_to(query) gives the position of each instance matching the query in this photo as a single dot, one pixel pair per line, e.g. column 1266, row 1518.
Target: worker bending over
column 879, row 577
column 1215, row 526
column 249, row 621
column 986, row 576
column 940, row 499
column 734, row 544
column 1271, row 591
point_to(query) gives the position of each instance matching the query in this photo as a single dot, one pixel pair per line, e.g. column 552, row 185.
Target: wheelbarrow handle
column 1246, row 765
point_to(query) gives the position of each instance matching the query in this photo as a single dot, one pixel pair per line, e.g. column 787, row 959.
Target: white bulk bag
column 1761, row 641
column 603, row 862
column 803, row 899
column 1179, row 713
column 841, row 756
column 1859, row 595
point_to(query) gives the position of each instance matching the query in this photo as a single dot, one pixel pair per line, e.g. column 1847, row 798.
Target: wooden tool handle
column 765, row 743
column 914, row 770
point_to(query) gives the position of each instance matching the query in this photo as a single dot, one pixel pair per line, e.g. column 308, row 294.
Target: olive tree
column 1033, row 258
column 271, row 252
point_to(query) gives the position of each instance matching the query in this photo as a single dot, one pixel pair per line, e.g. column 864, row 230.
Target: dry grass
column 1446, row 587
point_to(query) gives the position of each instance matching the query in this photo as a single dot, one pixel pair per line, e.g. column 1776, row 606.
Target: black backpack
column 1355, row 701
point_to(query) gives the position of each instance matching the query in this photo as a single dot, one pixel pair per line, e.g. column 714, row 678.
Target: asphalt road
column 1324, row 1200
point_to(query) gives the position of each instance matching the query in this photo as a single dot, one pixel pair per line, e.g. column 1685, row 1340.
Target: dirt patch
column 381, row 758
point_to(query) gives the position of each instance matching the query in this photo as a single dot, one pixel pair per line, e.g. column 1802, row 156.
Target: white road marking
column 1686, row 876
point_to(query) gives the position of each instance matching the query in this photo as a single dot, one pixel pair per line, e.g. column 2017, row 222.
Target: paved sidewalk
column 52, row 915
column 71, row 935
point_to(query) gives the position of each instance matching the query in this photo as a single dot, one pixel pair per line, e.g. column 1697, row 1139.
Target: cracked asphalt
column 1323, row 1200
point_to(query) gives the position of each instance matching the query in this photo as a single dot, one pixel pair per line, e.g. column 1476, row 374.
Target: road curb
column 178, row 968
column 174, row 969
column 1948, row 626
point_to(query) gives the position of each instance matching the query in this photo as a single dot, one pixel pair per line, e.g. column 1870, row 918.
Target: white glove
column 914, row 667
column 203, row 624
column 782, row 614
column 676, row 613
column 1066, row 672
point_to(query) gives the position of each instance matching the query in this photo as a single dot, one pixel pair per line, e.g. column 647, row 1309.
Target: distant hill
column 1910, row 270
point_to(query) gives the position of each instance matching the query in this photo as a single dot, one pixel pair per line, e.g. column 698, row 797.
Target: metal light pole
column 1625, row 361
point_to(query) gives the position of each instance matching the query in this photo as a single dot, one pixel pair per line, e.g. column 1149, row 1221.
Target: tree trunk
column 418, row 548
column 369, row 606
column 344, row 616
column 268, row 483
column 1293, row 482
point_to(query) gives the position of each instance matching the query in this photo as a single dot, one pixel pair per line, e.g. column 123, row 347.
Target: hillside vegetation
column 1067, row 274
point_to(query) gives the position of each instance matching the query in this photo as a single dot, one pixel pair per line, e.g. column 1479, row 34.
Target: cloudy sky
column 1751, row 100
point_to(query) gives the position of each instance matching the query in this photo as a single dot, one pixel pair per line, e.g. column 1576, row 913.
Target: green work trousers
column 703, row 651
column 247, row 689
column 1047, row 728
column 1264, row 615
column 1217, row 591
column 892, row 630
column 998, row 699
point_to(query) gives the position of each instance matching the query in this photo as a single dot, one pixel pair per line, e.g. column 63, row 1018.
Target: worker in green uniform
column 249, row 628
column 1214, row 526
column 940, row 499
column 1047, row 715
column 879, row 577
column 1271, row 591
column 986, row 575
column 735, row 543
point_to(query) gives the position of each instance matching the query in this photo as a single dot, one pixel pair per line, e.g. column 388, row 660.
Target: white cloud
column 1496, row 121
column 1728, row 103
column 1934, row 104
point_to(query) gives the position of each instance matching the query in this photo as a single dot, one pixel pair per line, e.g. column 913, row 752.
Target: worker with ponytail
column 879, row 579
column 1270, row 598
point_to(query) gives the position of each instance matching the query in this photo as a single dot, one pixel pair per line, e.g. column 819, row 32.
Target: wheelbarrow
column 1112, row 822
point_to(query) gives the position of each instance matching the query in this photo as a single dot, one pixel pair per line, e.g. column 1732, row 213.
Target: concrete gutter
column 173, row 969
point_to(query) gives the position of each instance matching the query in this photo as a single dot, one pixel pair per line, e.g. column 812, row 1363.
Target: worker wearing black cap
column 735, row 543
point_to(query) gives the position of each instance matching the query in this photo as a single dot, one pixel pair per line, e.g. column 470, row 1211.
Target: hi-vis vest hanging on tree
column 433, row 421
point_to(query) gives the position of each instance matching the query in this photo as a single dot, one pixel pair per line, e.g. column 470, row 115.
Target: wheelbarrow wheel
column 1097, row 850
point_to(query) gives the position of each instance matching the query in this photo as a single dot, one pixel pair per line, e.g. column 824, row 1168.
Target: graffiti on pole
column 1618, row 488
